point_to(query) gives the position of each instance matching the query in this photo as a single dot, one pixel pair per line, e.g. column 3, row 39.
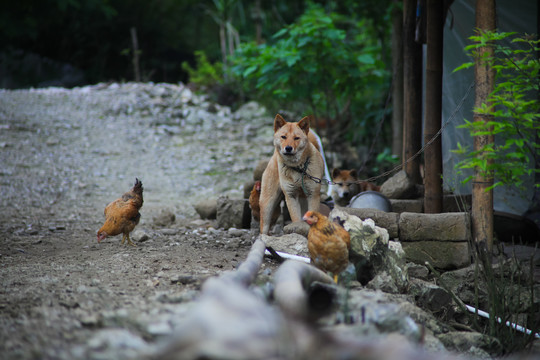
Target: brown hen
column 328, row 243
column 122, row 215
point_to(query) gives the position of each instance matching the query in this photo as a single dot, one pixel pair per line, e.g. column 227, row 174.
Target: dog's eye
column 283, row 137
column 339, row 184
column 296, row 138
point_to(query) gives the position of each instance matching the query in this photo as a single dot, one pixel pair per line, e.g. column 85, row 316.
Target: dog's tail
column 326, row 171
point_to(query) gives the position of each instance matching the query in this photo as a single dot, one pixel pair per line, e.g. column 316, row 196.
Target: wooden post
column 397, row 79
column 482, row 200
column 412, row 91
column 432, row 121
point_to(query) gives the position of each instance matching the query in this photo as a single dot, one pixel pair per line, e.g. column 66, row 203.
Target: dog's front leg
column 293, row 204
column 314, row 201
column 268, row 206
column 270, row 196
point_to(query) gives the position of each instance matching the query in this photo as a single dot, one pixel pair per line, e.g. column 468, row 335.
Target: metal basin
column 371, row 200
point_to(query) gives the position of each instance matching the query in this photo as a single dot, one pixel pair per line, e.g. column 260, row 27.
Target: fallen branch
column 301, row 290
column 247, row 271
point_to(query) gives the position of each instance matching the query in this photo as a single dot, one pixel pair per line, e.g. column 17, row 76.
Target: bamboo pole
column 482, row 200
column 412, row 91
column 432, row 121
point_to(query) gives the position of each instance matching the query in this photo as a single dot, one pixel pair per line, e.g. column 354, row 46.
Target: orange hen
column 122, row 215
column 254, row 201
column 255, row 207
column 328, row 243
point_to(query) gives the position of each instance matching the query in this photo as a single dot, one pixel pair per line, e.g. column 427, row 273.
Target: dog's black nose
column 288, row 149
column 345, row 194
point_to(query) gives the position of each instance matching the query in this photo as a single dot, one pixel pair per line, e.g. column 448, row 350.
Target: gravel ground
column 64, row 154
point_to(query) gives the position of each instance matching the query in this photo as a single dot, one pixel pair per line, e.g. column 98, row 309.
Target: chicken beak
column 101, row 236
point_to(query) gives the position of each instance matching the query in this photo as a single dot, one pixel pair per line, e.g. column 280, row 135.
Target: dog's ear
column 353, row 173
column 335, row 172
column 279, row 121
column 304, row 124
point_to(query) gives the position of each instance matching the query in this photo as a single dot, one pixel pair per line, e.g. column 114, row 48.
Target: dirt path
column 63, row 156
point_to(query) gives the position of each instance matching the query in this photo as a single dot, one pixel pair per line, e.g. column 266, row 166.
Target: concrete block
column 435, row 227
column 445, row 255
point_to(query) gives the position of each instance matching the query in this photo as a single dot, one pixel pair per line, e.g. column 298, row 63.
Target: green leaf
column 249, row 71
column 366, row 59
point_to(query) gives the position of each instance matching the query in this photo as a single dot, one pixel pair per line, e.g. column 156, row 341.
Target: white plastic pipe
column 499, row 320
column 289, row 256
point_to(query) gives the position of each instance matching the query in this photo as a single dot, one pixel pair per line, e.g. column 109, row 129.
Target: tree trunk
column 257, row 18
column 412, row 91
column 432, row 120
column 397, row 80
column 136, row 53
column 482, row 200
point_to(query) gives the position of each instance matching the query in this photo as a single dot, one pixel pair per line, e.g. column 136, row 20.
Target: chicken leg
column 129, row 242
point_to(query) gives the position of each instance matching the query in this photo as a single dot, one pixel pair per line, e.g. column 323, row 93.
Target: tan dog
column 346, row 186
column 295, row 155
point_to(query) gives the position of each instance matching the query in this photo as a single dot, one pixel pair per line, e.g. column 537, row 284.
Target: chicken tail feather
column 138, row 188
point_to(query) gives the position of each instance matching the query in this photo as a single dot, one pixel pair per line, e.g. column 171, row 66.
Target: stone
column 383, row 282
column 293, row 244
column 207, row 209
column 376, row 314
column 395, row 264
column 399, row 186
column 465, row 341
column 371, row 251
column 164, row 218
column 435, row 227
column 233, row 213
column 117, row 343
column 446, row 255
column 259, row 169
column 236, row 232
column 184, row 279
column 407, row 205
column 250, row 110
column 169, row 231
column 139, row 235
column 386, row 220
column 432, row 297
column 299, row 227
column 418, row 271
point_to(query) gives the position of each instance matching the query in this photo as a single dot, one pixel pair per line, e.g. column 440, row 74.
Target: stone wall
column 442, row 239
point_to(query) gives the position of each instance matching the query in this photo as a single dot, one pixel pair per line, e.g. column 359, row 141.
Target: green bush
column 205, row 74
column 513, row 107
column 320, row 65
